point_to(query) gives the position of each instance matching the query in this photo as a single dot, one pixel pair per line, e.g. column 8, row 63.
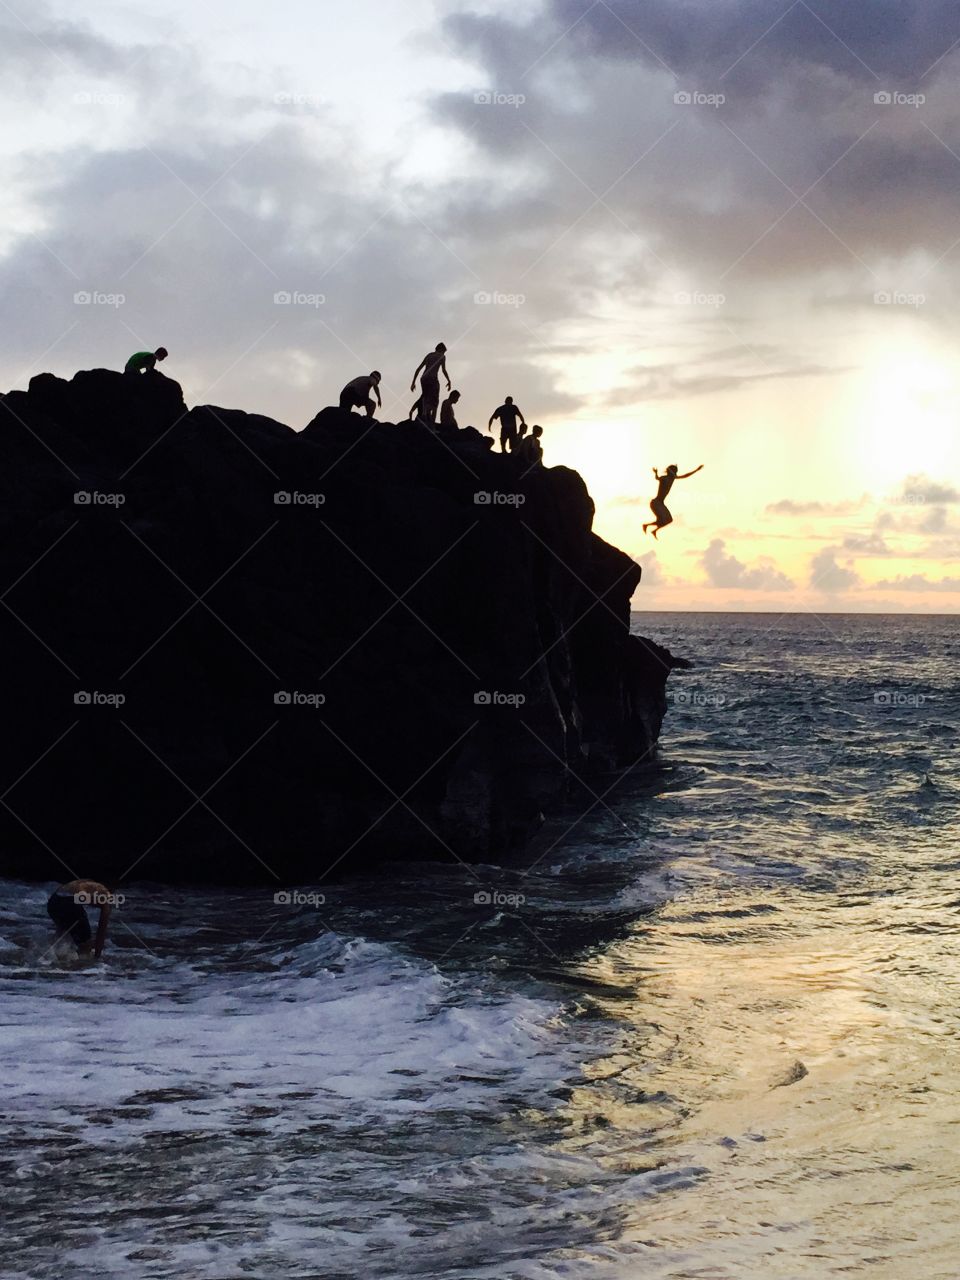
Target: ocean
column 707, row 1027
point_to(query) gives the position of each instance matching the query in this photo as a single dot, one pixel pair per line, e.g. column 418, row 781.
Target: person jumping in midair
column 657, row 504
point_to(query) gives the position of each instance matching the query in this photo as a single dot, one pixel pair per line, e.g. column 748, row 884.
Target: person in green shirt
column 141, row 360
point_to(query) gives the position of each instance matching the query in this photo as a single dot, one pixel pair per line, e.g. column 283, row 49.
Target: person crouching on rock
column 142, row 361
column 66, row 908
column 448, row 411
column 357, row 393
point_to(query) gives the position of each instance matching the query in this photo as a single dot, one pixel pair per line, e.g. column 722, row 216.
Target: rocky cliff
column 235, row 652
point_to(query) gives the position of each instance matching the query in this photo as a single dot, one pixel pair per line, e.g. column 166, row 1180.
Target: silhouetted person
column 433, row 364
column 357, row 393
column 657, row 504
column 140, row 361
column 65, row 908
column 529, row 450
column 448, row 416
column 508, row 413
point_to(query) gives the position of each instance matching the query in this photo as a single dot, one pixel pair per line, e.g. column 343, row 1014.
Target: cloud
column 788, row 507
column 828, row 576
column 918, row 582
column 871, row 544
column 921, row 488
column 725, row 570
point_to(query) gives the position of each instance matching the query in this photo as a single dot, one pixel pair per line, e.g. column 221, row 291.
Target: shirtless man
column 530, row 450
column 356, row 394
column 66, row 909
column 657, row 504
column 508, row 413
column 433, row 364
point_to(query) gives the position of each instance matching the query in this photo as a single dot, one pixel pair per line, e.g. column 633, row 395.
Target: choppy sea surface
column 707, row 1028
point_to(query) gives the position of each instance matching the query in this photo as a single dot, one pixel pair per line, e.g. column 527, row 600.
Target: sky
column 676, row 231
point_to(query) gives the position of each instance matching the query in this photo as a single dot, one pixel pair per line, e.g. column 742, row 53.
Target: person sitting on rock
column 657, row 504
column 530, row 450
column 357, row 393
column 433, row 364
column 448, row 416
column 508, row 413
column 141, row 361
column 66, row 909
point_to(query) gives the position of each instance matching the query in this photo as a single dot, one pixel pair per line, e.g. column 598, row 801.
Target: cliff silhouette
column 235, row 652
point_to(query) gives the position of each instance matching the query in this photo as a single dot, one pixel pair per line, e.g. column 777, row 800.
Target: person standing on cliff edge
column 433, row 364
column 658, row 504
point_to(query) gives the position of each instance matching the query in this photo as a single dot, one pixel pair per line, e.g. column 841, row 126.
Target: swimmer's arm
column 421, row 365
column 688, row 474
column 443, row 366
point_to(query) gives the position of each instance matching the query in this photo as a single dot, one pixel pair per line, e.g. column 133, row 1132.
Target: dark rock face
column 235, row 652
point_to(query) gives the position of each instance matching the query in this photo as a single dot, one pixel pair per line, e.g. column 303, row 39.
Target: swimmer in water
column 66, row 908
column 658, row 504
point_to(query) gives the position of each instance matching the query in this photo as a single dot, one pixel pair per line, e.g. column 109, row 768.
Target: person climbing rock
column 359, row 393
column 530, row 451
column 141, row 361
column 448, row 416
column 507, row 414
